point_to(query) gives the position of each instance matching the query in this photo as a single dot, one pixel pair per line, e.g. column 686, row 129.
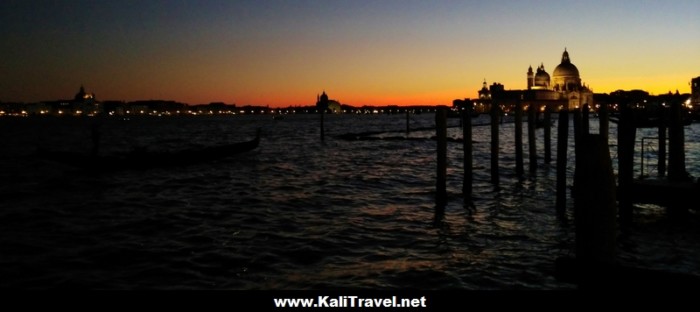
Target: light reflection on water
column 296, row 213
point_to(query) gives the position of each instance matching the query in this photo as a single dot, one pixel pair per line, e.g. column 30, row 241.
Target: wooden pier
column 671, row 194
column 603, row 203
column 677, row 191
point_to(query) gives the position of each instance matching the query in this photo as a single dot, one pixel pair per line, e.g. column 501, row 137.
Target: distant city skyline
column 283, row 53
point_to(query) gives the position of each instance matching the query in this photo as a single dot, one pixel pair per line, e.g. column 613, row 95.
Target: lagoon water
column 297, row 213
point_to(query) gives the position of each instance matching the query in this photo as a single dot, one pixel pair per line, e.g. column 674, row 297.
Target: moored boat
column 142, row 159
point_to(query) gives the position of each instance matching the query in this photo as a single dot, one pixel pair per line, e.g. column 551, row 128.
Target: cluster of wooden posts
column 596, row 195
column 495, row 115
column 600, row 202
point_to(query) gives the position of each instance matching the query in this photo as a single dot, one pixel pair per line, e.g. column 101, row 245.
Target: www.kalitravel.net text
column 350, row 302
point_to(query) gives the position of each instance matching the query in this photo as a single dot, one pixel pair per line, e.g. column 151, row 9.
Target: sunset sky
column 280, row 53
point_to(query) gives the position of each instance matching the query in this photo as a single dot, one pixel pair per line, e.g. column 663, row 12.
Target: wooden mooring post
column 626, row 135
column 604, row 120
column 595, row 207
column 408, row 122
column 468, row 151
column 662, row 143
column 519, row 169
column 676, row 144
column 531, row 135
column 441, row 181
column 577, row 128
column 495, row 112
column 323, row 112
column 577, row 146
column 585, row 119
column 562, row 144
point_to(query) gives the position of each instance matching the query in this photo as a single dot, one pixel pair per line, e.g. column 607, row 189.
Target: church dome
column 566, row 69
column 542, row 76
column 566, row 76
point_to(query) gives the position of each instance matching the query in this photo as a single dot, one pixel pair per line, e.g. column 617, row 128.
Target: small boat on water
column 142, row 159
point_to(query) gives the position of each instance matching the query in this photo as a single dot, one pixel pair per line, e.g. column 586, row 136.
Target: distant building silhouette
column 565, row 84
column 563, row 89
column 82, row 96
column 324, row 103
column 85, row 103
column 484, row 93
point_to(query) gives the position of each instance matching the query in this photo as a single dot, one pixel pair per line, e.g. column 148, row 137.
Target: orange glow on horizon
column 375, row 54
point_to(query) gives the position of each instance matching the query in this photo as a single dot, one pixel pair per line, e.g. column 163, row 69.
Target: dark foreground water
column 296, row 213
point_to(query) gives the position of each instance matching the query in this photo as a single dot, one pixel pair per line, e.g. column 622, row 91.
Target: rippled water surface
column 296, row 213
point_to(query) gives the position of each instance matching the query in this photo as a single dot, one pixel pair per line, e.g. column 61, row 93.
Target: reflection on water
column 296, row 213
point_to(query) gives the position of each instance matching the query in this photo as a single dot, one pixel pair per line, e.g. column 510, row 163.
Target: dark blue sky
column 362, row 52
